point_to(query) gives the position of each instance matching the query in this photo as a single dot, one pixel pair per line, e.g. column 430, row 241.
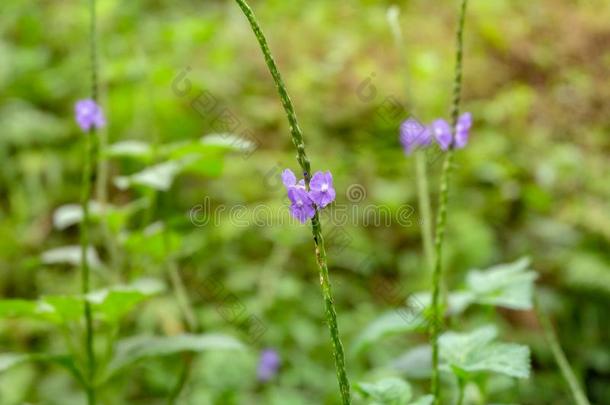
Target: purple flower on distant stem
column 442, row 133
column 462, row 130
column 302, row 207
column 89, row 114
column 290, row 180
column 268, row 365
column 321, row 189
column 413, row 135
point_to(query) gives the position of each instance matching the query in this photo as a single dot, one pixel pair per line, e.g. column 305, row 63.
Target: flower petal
column 288, row 178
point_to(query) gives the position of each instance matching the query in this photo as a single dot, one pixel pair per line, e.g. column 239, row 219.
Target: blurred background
column 532, row 182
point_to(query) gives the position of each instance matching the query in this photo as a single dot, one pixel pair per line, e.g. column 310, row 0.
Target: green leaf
column 72, row 214
column 415, row 363
column 464, row 353
column 71, row 255
column 158, row 177
column 133, row 349
column 131, row 148
column 154, row 241
column 66, row 308
column 210, row 166
column 391, row 323
column 228, row 141
column 509, row 285
column 423, row 400
column 161, row 176
column 118, row 217
column 10, row 360
column 587, row 271
column 110, row 304
column 388, row 391
column 114, row 302
column 457, row 302
column 18, row 308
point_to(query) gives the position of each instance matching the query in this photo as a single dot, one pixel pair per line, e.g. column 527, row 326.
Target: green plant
column 297, row 139
column 441, row 217
column 107, row 307
column 464, row 355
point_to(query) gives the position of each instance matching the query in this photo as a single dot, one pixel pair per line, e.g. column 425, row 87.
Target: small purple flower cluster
column 303, row 202
column 268, row 365
column 414, row 135
column 89, row 114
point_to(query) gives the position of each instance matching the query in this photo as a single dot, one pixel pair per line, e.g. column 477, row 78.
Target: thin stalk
column 560, row 358
column 182, row 379
column 85, row 223
column 421, row 169
column 423, row 198
column 297, row 139
column 101, row 194
column 441, row 218
column 436, row 320
column 461, row 386
column 85, row 271
column 186, row 308
column 181, row 296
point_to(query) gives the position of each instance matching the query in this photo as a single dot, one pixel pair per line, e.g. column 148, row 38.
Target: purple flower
column 321, row 189
column 303, row 202
column 442, row 133
column 290, row 180
column 413, row 134
column 302, row 207
column 268, row 365
column 462, row 129
column 89, row 114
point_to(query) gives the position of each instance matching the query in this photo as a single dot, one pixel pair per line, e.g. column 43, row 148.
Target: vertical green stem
column 436, row 321
column 182, row 297
column 441, row 218
column 329, row 309
column 461, row 386
column 85, row 223
column 85, row 282
column 568, row 374
column 182, row 379
column 423, row 196
column 421, row 170
column 297, row 139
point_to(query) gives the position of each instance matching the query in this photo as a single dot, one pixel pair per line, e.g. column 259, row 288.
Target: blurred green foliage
column 533, row 181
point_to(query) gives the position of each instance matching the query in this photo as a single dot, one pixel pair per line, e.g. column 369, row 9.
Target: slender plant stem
column 461, row 386
column 441, row 217
column 329, row 309
column 182, row 379
column 86, row 186
column 436, row 321
column 421, row 170
column 423, row 197
column 182, row 297
column 297, row 139
column 564, row 365
column 85, row 282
